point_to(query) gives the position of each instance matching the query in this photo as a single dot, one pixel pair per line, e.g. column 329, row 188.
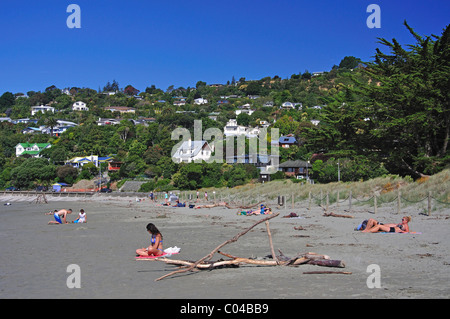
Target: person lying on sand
column 212, row 205
column 155, row 248
column 262, row 211
column 373, row 226
column 58, row 214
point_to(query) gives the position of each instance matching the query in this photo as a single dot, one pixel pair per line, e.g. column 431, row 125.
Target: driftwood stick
column 209, row 256
column 327, row 272
column 226, row 255
column 327, row 263
column 251, row 261
column 270, row 242
column 243, row 207
column 314, row 256
column 337, row 215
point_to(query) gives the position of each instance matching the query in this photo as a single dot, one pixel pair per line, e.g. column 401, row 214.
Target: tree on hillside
column 397, row 114
column 6, row 101
column 130, row 90
column 409, row 103
column 349, row 62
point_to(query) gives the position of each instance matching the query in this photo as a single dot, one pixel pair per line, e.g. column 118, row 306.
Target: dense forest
column 386, row 116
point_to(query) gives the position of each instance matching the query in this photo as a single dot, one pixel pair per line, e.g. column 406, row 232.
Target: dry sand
column 35, row 256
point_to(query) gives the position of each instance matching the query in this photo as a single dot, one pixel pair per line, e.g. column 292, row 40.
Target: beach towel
column 167, row 253
column 411, row 232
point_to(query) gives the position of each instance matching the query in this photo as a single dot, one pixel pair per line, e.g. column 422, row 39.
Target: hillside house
column 79, row 161
column 79, row 106
column 287, row 141
column 233, row 129
column 298, row 169
column 42, row 109
column 31, row 149
column 121, row 109
column 190, row 151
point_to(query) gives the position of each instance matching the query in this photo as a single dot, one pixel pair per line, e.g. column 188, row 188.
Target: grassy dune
column 386, row 190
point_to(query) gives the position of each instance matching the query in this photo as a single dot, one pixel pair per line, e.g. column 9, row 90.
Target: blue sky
column 172, row 42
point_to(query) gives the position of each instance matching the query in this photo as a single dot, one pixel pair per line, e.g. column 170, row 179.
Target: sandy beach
column 35, row 256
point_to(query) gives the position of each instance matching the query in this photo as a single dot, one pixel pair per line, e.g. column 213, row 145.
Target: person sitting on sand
column 81, row 217
column 373, row 226
column 178, row 204
column 155, row 248
column 58, row 214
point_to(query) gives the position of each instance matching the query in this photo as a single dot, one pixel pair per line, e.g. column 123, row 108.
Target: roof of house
column 297, row 163
column 287, row 140
column 39, row 145
column 194, row 146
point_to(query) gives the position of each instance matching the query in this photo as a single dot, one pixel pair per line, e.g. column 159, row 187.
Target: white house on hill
column 42, row 109
column 190, row 151
column 79, row 106
column 31, row 149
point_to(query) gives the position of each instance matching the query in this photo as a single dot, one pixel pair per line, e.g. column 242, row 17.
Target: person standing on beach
column 206, row 196
column 155, row 248
column 60, row 217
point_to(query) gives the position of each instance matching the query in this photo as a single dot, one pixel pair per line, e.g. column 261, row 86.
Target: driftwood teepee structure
column 233, row 261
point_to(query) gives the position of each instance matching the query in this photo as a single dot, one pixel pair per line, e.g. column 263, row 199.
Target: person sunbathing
column 263, row 211
column 155, row 248
column 373, row 226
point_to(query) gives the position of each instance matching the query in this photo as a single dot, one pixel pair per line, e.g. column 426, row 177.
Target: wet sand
column 34, row 256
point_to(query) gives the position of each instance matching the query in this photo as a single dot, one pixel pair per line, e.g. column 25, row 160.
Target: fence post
column 350, row 201
column 328, row 199
column 309, row 200
column 398, row 201
column 429, row 203
column 321, row 197
column 337, row 199
column 375, row 203
column 293, row 201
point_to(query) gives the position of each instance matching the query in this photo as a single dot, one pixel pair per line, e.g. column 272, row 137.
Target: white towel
column 172, row 250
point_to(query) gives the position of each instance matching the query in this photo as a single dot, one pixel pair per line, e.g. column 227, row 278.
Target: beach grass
column 386, row 189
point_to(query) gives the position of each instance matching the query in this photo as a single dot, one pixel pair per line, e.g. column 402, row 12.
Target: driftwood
column 337, row 215
column 326, row 272
column 306, row 258
column 281, row 260
column 209, row 256
column 225, row 204
column 244, row 207
column 327, row 263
